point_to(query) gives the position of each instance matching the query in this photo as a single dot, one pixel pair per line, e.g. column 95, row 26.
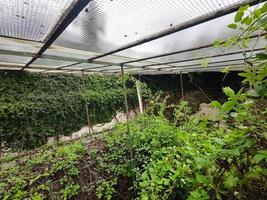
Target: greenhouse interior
column 133, row 99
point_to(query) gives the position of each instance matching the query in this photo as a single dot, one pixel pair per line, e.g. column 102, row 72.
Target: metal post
column 86, row 105
column 182, row 86
column 126, row 110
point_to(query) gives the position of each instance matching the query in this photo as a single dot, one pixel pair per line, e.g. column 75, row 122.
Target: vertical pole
column 86, row 104
column 139, row 95
column 0, row 149
column 126, row 110
column 182, row 86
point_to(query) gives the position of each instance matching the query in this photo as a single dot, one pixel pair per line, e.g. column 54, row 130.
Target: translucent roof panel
column 55, row 50
column 12, row 44
column 120, row 59
column 11, row 66
column 191, row 67
column 85, row 66
column 208, row 58
column 51, row 62
column 105, row 25
column 69, row 54
column 31, row 19
column 14, row 59
column 27, row 27
column 34, row 70
column 205, row 52
column 217, row 69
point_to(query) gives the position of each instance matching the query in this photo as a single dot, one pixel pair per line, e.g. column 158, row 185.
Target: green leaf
column 228, row 92
column 227, row 106
column 217, row 43
column 248, row 75
column 232, row 26
column 226, row 70
column 216, row 104
column 261, row 56
column 257, row 13
column 244, row 8
column 239, row 15
column 198, row 194
column 264, row 8
column 202, row 179
column 247, row 20
column 204, row 62
column 231, row 181
column 262, row 71
column 260, row 155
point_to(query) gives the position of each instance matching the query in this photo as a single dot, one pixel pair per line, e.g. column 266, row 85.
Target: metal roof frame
column 168, row 67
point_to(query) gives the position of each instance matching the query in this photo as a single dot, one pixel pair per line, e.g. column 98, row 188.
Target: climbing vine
column 34, row 107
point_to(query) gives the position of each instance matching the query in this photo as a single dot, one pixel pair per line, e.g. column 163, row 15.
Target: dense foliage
column 192, row 158
column 35, row 179
column 35, row 106
column 187, row 158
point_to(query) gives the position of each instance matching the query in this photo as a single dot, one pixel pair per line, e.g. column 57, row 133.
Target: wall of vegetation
column 34, row 107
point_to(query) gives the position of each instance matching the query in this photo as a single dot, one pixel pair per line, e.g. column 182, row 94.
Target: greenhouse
column 133, row 99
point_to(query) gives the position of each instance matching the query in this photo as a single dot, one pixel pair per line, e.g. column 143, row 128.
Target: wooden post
column 182, row 86
column 86, row 105
column 0, row 149
column 139, row 95
column 126, row 110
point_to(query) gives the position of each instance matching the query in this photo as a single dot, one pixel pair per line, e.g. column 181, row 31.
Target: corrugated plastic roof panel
column 105, row 25
column 31, row 19
column 12, row 44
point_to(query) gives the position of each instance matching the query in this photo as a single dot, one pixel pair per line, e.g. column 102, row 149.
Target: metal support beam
column 72, row 14
column 199, row 65
column 187, row 60
column 200, row 58
column 104, row 64
column 220, row 67
column 208, row 67
column 20, row 39
column 126, row 64
column 182, row 51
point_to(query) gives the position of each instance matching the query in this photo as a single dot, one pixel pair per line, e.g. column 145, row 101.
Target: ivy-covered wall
column 36, row 106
